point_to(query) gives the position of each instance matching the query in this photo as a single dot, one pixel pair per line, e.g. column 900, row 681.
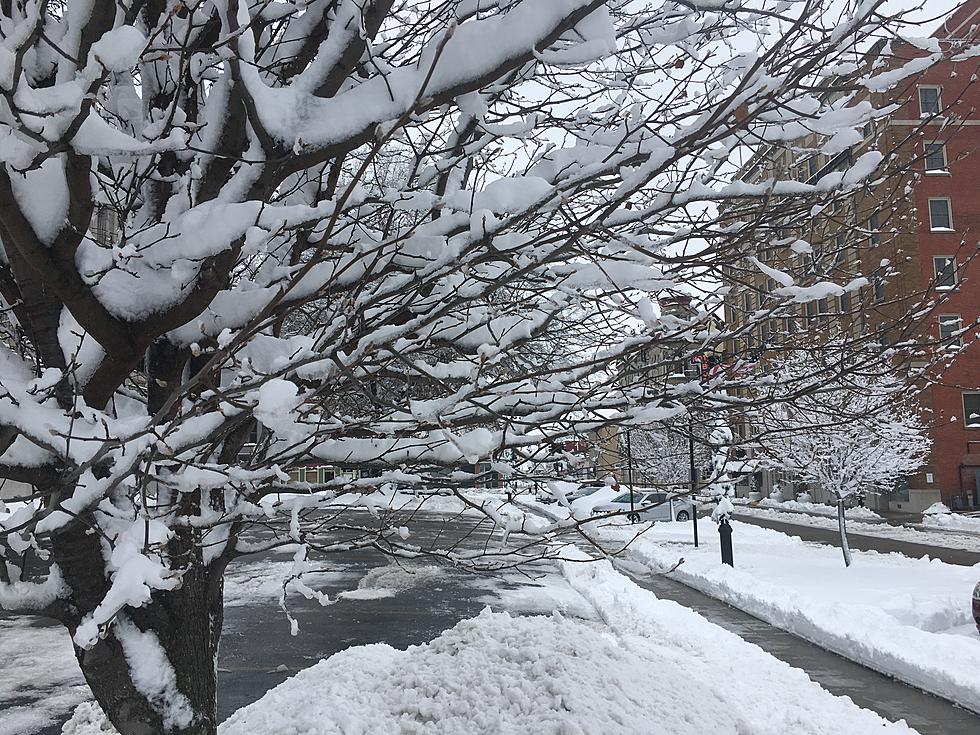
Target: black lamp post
column 629, row 473
column 694, row 477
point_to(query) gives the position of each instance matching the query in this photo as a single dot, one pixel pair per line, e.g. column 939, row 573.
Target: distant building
column 915, row 234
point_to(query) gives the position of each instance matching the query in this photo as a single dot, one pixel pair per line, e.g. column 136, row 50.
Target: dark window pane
column 935, row 157
column 940, row 217
column 945, row 272
column 971, row 410
column 928, row 101
column 949, row 324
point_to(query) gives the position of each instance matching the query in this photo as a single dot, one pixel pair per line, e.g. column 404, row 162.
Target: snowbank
column 427, row 501
column 889, row 612
column 944, row 519
column 501, row 674
column 928, row 536
column 655, row 667
column 819, row 509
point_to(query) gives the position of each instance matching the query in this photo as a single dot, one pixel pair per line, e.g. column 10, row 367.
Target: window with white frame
column 944, row 271
column 930, row 101
column 949, row 328
column 971, row 410
column 935, row 157
column 874, row 233
column 940, row 215
column 878, row 286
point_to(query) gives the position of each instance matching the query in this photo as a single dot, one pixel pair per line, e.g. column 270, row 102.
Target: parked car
column 649, row 506
column 584, row 490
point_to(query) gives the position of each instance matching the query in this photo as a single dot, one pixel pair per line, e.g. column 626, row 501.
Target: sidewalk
column 889, row 697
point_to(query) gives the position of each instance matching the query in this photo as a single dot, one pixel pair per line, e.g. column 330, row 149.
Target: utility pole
column 629, row 471
column 694, row 476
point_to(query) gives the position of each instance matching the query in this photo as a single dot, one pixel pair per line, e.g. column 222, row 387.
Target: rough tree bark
column 186, row 622
column 843, row 532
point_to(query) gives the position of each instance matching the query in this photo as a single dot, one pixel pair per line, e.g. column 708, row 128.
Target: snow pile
column 929, row 536
column 950, row 521
column 819, row 509
column 88, row 719
column 432, row 501
column 887, row 611
column 652, row 662
column 501, row 674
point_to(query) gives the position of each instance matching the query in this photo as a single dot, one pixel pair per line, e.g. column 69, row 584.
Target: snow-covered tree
column 240, row 235
column 849, row 432
column 661, row 453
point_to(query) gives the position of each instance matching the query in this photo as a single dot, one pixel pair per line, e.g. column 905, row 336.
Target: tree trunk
column 186, row 622
column 843, row 532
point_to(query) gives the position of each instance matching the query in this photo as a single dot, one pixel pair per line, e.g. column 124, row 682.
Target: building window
column 940, row 215
column 106, row 226
column 874, row 232
column 929, row 101
column 823, row 310
column 845, row 303
column 747, row 302
column 944, row 270
column 879, row 288
column 935, row 157
column 812, row 167
column 811, row 311
column 949, row 327
column 971, row 410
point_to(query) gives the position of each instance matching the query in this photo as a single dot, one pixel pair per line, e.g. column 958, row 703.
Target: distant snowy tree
column 661, row 453
column 240, row 236
column 849, row 432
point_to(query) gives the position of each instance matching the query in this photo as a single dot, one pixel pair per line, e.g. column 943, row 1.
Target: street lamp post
column 629, row 471
column 694, row 477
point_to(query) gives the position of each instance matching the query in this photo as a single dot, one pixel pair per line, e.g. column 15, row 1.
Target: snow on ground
column 939, row 516
column 262, row 580
column 883, row 530
column 389, row 580
column 32, row 654
column 653, row 667
column 899, row 615
column 495, row 673
column 432, row 502
column 819, row 509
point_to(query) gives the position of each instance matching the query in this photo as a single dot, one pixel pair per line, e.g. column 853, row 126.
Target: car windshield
column 583, row 491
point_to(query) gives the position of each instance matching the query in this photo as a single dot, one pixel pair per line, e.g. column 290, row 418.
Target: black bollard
column 725, row 531
column 976, row 606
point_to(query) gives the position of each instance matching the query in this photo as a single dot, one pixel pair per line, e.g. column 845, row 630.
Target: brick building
column 914, row 236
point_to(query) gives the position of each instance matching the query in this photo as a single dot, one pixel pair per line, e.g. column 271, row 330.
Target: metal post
column 629, row 470
column 694, row 477
column 725, row 531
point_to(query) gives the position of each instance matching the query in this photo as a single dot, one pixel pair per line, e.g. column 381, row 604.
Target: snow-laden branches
column 391, row 240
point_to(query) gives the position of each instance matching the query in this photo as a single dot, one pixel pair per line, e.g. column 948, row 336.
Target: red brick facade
column 956, row 448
